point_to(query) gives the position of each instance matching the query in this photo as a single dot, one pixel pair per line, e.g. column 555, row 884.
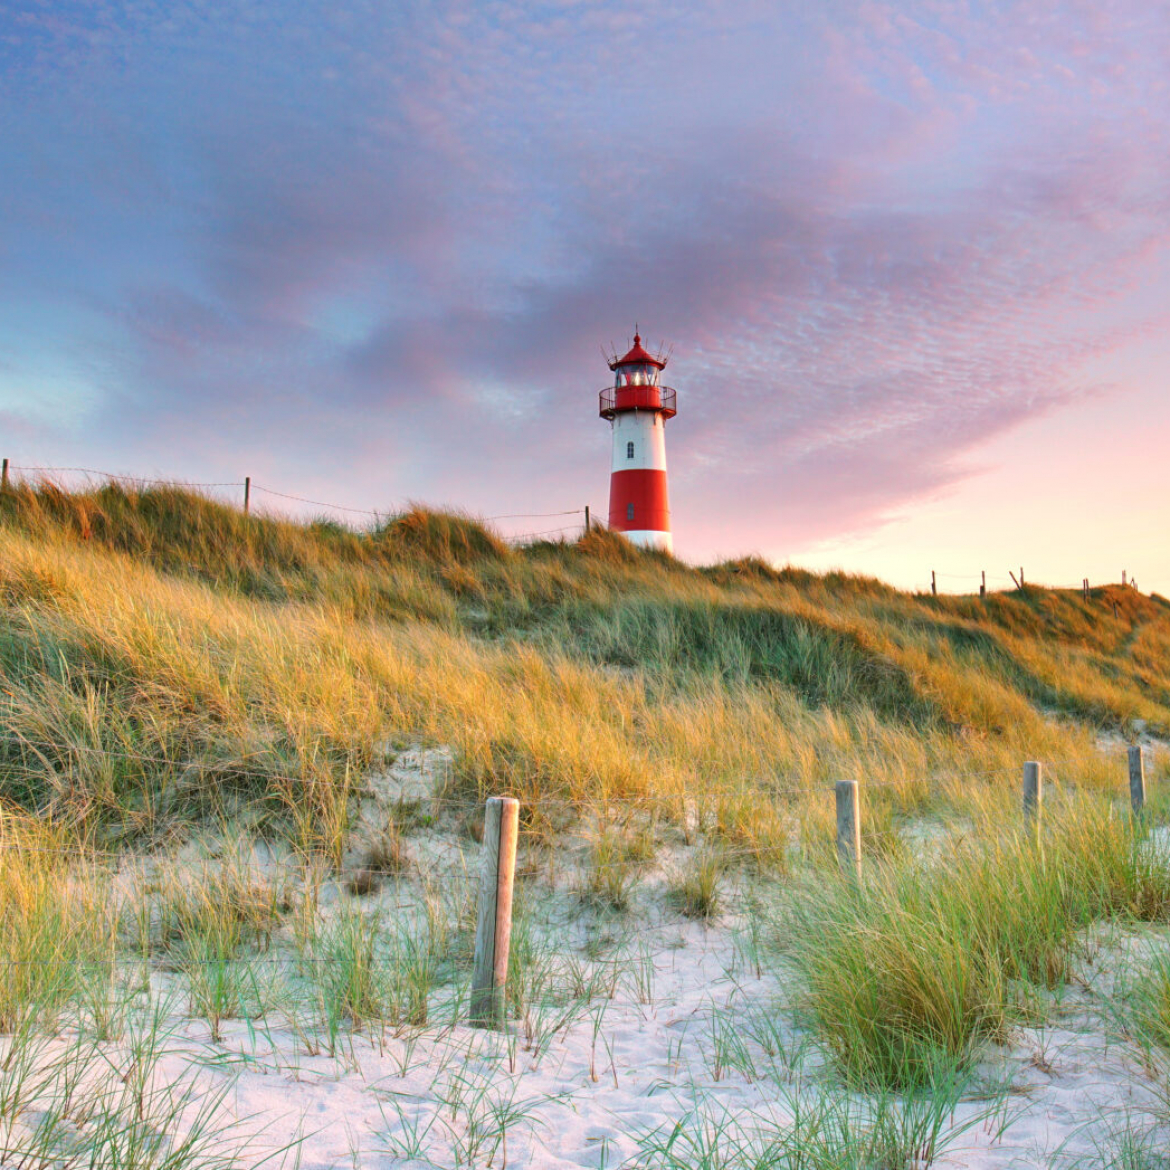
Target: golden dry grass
column 166, row 658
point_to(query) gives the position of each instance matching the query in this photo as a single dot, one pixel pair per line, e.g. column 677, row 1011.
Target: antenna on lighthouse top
column 637, row 354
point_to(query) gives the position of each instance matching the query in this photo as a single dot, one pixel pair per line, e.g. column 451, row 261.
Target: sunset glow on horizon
column 913, row 260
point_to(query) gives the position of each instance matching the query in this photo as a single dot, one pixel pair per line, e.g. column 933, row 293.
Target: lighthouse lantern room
column 637, row 406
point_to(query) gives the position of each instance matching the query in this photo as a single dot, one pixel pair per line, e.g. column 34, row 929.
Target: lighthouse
column 637, row 406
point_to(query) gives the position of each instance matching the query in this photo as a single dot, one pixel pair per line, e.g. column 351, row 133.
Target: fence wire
column 259, row 487
column 991, row 578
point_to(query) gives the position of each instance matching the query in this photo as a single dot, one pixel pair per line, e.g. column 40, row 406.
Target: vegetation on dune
column 918, row 967
column 166, row 657
column 54, row 919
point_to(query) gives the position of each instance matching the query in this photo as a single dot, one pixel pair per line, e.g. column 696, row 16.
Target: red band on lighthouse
column 638, row 501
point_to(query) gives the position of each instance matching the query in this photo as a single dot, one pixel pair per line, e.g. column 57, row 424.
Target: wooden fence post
column 933, row 584
column 1085, row 588
column 849, row 826
column 1137, row 781
column 4, row 476
column 1123, row 577
column 493, row 930
column 1033, row 796
column 983, row 585
column 247, row 493
column 587, row 518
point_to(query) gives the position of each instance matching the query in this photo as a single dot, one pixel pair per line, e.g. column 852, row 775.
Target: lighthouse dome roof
column 638, row 356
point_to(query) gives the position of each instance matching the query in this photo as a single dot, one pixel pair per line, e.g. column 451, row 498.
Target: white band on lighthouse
column 639, row 441
column 650, row 538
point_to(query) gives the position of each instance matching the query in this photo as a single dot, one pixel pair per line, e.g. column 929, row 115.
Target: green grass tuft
column 922, row 963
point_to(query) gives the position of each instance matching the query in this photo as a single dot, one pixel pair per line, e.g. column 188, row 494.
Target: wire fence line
column 999, row 582
column 545, row 532
column 516, row 515
column 136, row 479
column 317, row 503
column 250, row 485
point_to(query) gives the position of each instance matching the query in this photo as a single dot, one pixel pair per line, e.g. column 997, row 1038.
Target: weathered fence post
column 848, row 795
column 247, row 493
column 1033, row 795
column 586, row 518
column 4, row 476
column 493, row 928
column 933, row 584
column 1137, row 781
column 983, row 585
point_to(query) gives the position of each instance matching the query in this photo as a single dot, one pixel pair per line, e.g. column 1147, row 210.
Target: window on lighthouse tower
column 630, row 450
column 629, row 511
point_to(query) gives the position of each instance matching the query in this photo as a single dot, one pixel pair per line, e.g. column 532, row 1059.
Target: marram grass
column 920, row 963
column 58, row 930
column 166, row 659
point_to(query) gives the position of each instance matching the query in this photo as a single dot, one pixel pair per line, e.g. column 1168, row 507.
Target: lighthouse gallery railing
column 638, row 397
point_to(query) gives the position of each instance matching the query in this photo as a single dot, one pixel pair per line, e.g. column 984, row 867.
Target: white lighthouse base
column 648, row 538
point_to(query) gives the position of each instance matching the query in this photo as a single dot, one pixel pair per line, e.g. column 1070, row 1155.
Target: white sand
column 1070, row 1086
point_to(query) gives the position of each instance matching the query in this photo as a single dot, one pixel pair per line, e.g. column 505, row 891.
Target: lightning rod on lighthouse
column 637, row 407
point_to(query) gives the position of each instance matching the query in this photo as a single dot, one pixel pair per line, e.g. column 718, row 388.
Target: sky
column 913, row 260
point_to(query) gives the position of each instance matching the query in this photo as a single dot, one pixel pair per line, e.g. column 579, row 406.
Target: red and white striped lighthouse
column 637, row 406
